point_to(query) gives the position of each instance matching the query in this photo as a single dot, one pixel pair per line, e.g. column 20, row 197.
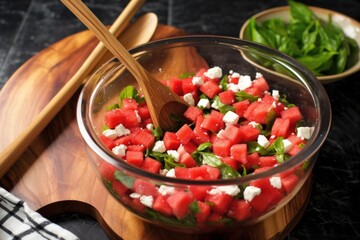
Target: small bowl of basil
column 325, row 41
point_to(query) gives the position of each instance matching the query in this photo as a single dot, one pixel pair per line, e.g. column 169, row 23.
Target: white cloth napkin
column 18, row 221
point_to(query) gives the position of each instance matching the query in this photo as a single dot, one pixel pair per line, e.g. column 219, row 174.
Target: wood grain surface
column 54, row 175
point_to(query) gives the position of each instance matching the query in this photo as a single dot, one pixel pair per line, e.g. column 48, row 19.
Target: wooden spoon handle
column 87, row 17
column 14, row 150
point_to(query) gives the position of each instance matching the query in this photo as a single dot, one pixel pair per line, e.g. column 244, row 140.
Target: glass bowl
column 203, row 204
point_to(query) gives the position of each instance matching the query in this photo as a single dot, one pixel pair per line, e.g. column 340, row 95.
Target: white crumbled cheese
column 272, row 137
column 174, row 154
column 250, row 192
column 244, row 82
column 150, row 126
column 263, row 141
column 258, row 75
column 119, row 150
column 215, row 105
column 165, row 190
column 305, row 132
column 197, row 81
column 171, row 173
column 287, row 145
column 121, row 130
column 204, row 103
column 253, row 124
column 213, row 73
column 233, row 87
column 135, row 195
column 159, row 146
column 147, row 201
column 110, row 133
column 137, row 116
column 273, row 104
column 231, row 117
column 275, row 182
column 275, row 94
column 231, row 190
column 189, row 98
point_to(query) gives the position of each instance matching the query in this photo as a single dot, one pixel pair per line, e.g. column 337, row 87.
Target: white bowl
column 350, row 27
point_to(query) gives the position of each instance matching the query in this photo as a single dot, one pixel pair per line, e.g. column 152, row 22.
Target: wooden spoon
column 13, row 151
column 162, row 102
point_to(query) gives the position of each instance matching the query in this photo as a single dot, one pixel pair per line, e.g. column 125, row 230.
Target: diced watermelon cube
column 280, row 127
column 187, row 160
column 192, row 113
column 126, row 140
column 181, row 172
column 294, row 150
column 210, row 88
column 204, row 172
column 204, row 212
column 175, row 85
column 130, row 118
column 160, row 204
column 252, row 161
column 185, row 134
column 220, row 202
column 138, row 148
column 227, row 97
column 179, row 201
column 107, row 171
column 230, row 161
column 239, row 210
column 240, row 107
column 109, row 143
column 190, row 147
column 201, row 135
column 239, row 152
column 267, row 161
column 211, row 123
column 260, row 202
column 171, row 141
column 221, row 147
column 198, row 191
column 118, row 187
column 289, row 182
column 188, row 86
column 232, row 133
column 293, row 114
column 261, row 84
column 143, row 112
column 249, row 133
column 135, row 158
column 129, row 104
column 144, row 137
column 144, row 187
column 114, row 117
column 151, row 165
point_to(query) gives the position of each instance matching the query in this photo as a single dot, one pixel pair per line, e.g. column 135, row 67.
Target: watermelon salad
column 235, row 125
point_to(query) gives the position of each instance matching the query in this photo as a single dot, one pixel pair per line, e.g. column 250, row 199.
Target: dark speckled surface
column 28, row 26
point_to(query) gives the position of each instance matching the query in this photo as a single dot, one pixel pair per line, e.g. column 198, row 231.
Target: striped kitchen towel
column 18, row 221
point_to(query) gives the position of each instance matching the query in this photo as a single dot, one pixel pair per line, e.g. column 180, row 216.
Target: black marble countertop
column 28, row 26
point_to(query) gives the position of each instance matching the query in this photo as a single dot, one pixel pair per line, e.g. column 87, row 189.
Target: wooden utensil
column 14, row 150
column 162, row 102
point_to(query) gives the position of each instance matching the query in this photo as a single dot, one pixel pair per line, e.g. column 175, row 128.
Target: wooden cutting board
column 54, row 175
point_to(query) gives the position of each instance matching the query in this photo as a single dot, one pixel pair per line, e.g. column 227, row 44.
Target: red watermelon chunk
column 160, row 204
column 151, row 165
column 220, row 202
column 280, row 127
column 192, row 113
column 210, row 88
column 239, row 210
column 204, row 212
column 185, row 134
column 114, row 117
column 293, row 114
column 221, row 147
column 171, row 141
column 239, row 152
column 179, row 202
column 144, row 187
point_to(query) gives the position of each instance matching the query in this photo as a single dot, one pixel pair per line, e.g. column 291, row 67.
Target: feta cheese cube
column 212, row 73
column 197, row 81
column 305, row 132
column 287, row 145
column 258, row 75
column 231, row 190
column 250, row 192
column 204, row 103
column 244, row 82
column 119, row 150
column 137, row 116
column 188, row 97
column 215, row 105
column 150, row 126
column 231, row 117
column 159, row 146
column 263, row 141
column 165, row 190
column 171, row 173
column 121, row 130
column 275, row 94
column 233, row 87
column 253, row 124
column 110, row 133
column 147, row 201
column 235, row 75
column 275, row 182
column 135, row 195
column 174, row 154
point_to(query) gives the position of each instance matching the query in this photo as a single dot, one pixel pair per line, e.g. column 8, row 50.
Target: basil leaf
column 130, row 92
column 223, row 108
column 158, row 133
column 213, row 161
column 242, row 95
column 186, row 75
